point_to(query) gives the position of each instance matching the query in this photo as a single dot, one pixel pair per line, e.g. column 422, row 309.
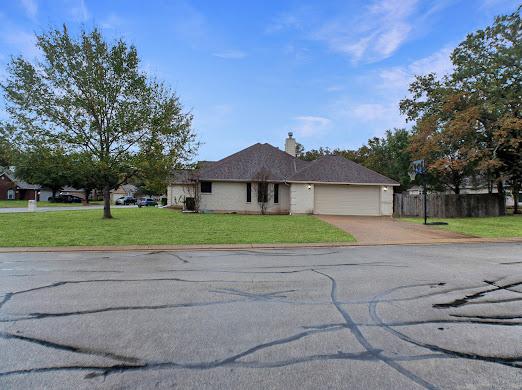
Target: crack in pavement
column 8, row 296
column 468, row 298
column 68, row 348
column 231, row 361
column 39, row 316
column 508, row 361
column 365, row 343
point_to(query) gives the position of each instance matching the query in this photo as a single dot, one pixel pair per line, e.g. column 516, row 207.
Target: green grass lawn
column 161, row 226
column 496, row 227
column 23, row 204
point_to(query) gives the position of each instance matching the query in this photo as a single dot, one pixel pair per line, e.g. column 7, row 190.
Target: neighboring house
column 11, row 188
column 263, row 176
column 123, row 190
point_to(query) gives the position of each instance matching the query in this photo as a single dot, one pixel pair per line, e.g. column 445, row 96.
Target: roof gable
column 250, row 163
column 266, row 162
column 337, row 169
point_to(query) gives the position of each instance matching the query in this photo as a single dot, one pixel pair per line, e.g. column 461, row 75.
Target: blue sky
column 330, row 71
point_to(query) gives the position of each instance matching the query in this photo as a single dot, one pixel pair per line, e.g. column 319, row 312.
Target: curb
column 223, row 247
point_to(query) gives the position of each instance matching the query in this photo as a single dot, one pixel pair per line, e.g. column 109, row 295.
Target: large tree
column 445, row 131
column 92, row 97
column 46, row 166
column 7, row 148
column 488, row 66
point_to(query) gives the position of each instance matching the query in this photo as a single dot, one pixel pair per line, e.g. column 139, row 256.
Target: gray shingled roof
column 337, row 169
column 278, row 166
column 20, row 183
column 249, row 163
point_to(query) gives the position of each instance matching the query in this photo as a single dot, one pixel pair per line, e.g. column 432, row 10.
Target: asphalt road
column 402, row 317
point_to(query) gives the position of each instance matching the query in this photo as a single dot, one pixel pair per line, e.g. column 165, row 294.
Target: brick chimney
column 290, row 145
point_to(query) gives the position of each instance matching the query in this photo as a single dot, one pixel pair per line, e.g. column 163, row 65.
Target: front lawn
column 496, row 227
column 161, row 226
column 42, row 203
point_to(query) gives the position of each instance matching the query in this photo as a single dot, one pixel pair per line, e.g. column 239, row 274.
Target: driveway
column 380, row 317
column 386, row 230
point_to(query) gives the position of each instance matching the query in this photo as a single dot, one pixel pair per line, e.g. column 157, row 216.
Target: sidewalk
column 222, row 247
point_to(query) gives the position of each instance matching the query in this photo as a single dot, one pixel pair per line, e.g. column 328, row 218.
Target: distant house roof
column 126, row 189
column 337, row 169
column 23, row 185
column 266, row 162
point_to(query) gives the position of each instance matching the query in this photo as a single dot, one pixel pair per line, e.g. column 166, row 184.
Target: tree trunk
column 515, row 190
column 87, row 193
column 54, row 193
column 500, row 187
column 107, row 202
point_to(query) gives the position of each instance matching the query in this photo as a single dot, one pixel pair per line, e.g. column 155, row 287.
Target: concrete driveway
column 380, row 317
column 386, row 230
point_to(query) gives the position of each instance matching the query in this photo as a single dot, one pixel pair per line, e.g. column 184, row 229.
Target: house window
column 206, row 187
column 10, row 194
column 249, row 192
column 276, row 193
column 262, row 192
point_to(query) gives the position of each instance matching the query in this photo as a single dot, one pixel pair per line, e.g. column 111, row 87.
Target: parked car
column 125, row 200
column 146, row 202
column 65, row 199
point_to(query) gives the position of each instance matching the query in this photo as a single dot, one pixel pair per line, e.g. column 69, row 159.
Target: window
column 249, row 192
column 206, row 187
column 276, row 193
column 10, row 194
column 262, row 192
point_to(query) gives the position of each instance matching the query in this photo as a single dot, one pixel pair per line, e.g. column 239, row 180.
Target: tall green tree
column 83, row 174
column 445, row 131
column 92, row 97
column 48, row 167
column 7, row 148
column 389, row 155
column 488, row 66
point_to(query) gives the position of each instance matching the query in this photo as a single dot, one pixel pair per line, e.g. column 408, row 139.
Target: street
column 377, row 317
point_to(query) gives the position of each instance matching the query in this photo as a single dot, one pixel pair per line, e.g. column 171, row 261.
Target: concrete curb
column 222, row 247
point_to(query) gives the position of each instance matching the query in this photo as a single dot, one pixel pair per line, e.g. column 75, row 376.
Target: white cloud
column 30, row 7
column 283, row 22
column 375, row 35
column 230, row 54
column 21, row 41
column 308, row 125
column 372, row 34
column 400, row 77
column 334, row 88
column 112, row 22
column 79, row 11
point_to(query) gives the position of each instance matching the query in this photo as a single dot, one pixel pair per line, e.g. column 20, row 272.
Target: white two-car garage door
column 346, row 199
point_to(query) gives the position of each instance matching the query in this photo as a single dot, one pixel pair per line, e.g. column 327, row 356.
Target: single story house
column 265, row 179
column 12, row 188
column 123, row 190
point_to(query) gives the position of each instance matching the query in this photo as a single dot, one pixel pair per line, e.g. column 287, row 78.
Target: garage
column 346, row 199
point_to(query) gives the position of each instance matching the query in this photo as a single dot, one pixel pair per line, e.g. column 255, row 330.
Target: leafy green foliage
column 91, row 98
column 48, row 167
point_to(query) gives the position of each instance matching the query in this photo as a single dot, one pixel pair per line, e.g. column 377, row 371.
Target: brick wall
column 5, row 185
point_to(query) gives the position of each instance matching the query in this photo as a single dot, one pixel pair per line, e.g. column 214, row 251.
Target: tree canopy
column 91, row 97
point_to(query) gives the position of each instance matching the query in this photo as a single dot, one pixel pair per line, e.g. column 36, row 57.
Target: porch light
column 385, row 188
column 309, row 186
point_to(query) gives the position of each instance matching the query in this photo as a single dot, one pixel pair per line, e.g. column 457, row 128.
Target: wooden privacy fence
column 449, row 205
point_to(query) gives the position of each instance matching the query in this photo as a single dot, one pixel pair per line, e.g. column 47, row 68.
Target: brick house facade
column 13, row 189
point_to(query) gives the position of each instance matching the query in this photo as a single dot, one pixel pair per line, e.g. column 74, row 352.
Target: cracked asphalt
column 403, row 317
